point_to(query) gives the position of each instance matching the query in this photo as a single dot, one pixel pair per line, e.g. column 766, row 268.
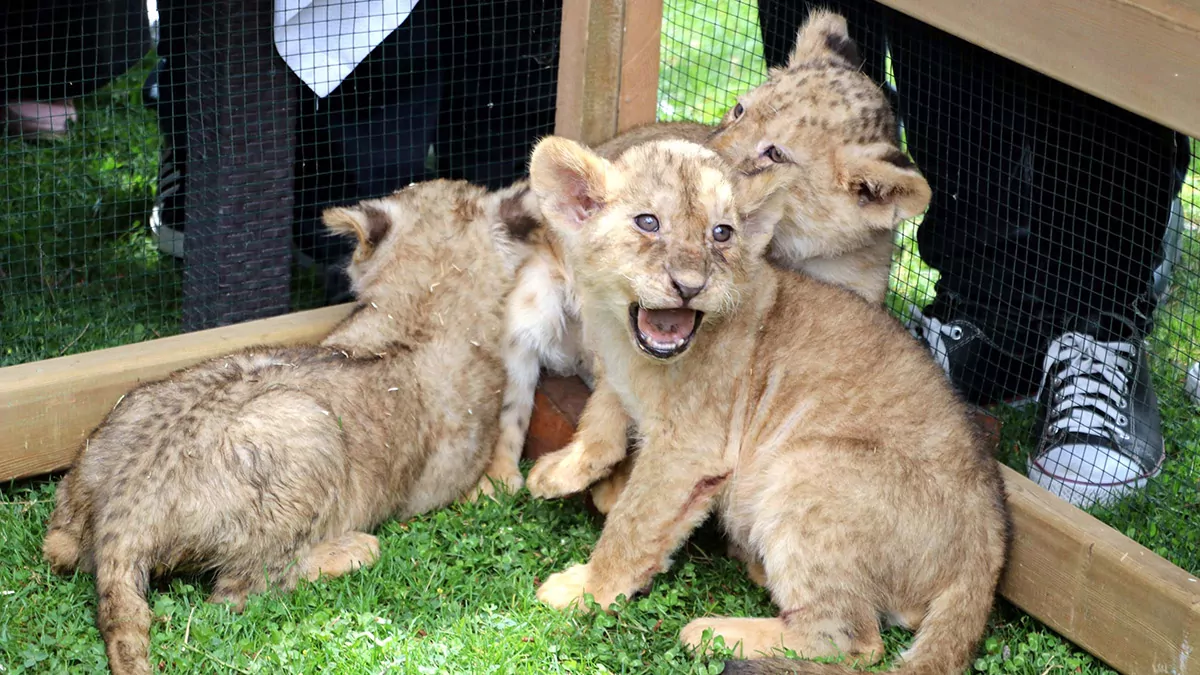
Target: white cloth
column 323, row 40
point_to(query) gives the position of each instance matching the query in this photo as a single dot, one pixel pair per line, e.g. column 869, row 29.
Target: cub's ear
column 885, row 183
column 824, row 36
column 570, row 181
column 365, row 221
column 762, row 199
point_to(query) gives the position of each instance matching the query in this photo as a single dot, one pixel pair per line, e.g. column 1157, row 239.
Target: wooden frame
column 48, row 407
column 1113, row 597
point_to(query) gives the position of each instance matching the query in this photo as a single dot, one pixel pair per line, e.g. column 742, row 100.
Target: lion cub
column 819, row 126
column 826, row 129
column 271, row 464
column 836, row 456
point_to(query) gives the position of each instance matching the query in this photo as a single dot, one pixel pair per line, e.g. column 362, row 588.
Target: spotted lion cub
column 835, row 455
column 272, row 464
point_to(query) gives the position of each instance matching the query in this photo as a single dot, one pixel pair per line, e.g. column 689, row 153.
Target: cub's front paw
column 567, row 588
column 563, row 472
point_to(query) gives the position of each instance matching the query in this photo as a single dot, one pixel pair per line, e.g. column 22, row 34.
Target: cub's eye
column 776, row 155
column 738, row 111
column 722, row 233
column 646, row 222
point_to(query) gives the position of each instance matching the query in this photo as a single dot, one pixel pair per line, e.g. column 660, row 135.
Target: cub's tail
column 944, row 644
column 122, row 614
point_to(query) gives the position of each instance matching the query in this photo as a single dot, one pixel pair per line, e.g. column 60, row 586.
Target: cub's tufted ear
column 824, row 36
column 365, row 221
column 887, row 186
column 570, row 181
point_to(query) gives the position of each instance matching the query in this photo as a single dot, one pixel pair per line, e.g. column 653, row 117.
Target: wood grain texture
column 48, row 407
column 1098, row 588
column 589, row 70
column 1142, row 55
column 639, row 63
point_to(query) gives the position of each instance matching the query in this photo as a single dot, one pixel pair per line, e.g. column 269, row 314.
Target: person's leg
column 1046, row 223
column 502, row 86
column 368, row 138
column 54, row 51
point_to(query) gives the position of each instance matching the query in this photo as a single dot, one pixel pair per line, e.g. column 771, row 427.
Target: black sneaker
column 1101, row 434
column 980, row 369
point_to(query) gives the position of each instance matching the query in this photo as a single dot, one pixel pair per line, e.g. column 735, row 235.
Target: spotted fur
column 271, row 464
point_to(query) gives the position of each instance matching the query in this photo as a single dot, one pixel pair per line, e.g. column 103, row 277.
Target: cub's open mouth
column 663, row 333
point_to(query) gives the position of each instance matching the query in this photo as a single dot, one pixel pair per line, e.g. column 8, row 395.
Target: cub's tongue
column 666, row 326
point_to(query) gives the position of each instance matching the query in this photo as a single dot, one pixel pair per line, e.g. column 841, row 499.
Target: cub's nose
column 686, row 290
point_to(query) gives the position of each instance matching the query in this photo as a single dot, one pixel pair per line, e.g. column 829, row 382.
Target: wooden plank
column 1142, row 55
column 589, row 70
column 639, row 63
column 48, row 407
column 1098, row 588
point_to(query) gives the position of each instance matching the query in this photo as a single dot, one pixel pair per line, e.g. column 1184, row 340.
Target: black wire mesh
column 1061, row 241
column 162, row 169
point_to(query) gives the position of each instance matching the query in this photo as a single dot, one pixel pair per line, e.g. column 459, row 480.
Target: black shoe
column 1101, row 434
column 980, row 369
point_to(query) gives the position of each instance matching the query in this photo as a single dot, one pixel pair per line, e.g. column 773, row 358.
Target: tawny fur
column 272, row 464
column 842, row 466
column 849, row 187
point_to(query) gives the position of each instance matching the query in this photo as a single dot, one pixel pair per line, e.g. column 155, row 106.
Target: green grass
column 453, row 592
column 78, row 268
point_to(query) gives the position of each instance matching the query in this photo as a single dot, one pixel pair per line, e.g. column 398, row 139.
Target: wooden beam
column 48, row 407
column 1101, row 590
column 1142, row 55
column 1098, row 588
column 589, row 70
column 639, row 63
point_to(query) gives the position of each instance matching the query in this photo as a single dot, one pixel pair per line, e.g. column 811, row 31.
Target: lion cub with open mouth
column 839, row 460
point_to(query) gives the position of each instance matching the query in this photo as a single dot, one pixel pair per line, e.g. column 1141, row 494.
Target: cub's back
column 861, row 373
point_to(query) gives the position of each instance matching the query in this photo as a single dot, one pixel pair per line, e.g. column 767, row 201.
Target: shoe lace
column 934, row 332
column 1089, row 383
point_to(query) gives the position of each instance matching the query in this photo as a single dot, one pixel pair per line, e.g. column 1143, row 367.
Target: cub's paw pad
column 562, row 472
column 567, row 588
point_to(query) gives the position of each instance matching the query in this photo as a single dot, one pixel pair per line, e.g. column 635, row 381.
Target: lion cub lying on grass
column 271, row 464
column 838, row 458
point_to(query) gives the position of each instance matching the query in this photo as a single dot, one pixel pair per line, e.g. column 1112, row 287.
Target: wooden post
column 607, row 67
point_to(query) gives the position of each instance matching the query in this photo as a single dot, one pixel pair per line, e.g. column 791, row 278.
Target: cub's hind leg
column 827, row 628
column 66, row 545
column 340, row 555
column 522, row 370
column 330, row 558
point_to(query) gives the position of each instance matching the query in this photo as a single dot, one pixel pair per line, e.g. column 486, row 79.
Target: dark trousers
column 58, row 49
column 1049, row 205
column 462, row 89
